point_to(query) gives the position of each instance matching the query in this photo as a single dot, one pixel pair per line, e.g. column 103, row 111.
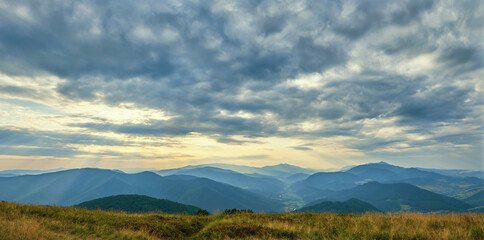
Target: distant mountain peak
column 380, row 164
column 282, row 165
column 285, row 167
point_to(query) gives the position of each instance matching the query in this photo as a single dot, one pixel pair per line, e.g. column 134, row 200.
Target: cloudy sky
column 322, row 84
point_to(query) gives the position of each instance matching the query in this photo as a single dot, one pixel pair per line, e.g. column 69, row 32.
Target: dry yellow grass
column 40, row 222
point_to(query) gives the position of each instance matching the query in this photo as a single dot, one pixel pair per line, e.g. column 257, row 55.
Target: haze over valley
column 277, row 188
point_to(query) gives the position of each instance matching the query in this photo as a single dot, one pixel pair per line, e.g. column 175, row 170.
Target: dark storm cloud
column 180, row 127
column 129, row 44
column 474, row 138
column 195, row 60
column 442, row 104
column 24, row 142
column 273, row 24
column 462, row 59
column 53, row 41
column 54, row 152
column 375, row 14
column 29, row 137
column 411, row 44
column 28, row 142
column 314, row 58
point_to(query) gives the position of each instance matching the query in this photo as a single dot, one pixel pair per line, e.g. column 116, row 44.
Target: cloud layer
column 339, row 82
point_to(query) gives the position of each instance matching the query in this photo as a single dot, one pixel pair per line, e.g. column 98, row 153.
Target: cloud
column 237, row 71
column 462, row 59
column 305, row 147
column 30, row 137
column 362, row 17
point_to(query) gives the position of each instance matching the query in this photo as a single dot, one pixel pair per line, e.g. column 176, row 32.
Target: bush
column 202, row 212
column 236, row 211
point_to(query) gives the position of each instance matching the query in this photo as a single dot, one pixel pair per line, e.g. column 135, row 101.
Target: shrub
column 202, row 212
column 236, row 211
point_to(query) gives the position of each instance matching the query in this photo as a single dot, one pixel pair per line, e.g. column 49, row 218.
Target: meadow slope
column 41, row 222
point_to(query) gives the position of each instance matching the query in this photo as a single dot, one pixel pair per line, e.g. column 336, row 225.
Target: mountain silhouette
column 72, row 187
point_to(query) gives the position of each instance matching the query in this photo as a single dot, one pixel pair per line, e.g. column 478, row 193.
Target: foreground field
column 39, row 222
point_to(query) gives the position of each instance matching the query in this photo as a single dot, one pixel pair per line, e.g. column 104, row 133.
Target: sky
column 162, row 84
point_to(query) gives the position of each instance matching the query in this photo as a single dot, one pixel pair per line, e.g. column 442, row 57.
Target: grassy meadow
column 42, row 222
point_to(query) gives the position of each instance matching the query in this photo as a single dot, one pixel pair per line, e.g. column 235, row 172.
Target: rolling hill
column 476, row 199
column 398, row 197
column 350, row 206
column 72, row 187
column 138, row 204
column 456, row 172
column 262, row 185
column 262, row 189
column 283, row 170
column 451, row 186
column 296, row 177
column 279, row 171
column 329, row 181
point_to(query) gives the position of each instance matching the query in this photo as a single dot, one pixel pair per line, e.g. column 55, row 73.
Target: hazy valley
column 279, row 188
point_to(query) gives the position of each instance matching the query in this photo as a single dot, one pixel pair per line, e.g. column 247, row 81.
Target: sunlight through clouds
column 314, row 83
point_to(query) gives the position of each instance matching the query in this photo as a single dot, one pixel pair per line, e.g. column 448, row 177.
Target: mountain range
column 70, row 187
column 259, row 184
column 396, row 197
column 275, row 188
column 449, row 185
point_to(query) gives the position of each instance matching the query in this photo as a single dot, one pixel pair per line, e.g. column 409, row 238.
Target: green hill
column 353, row 206
column 398, row 197
column 138, row 204
column 476, row 199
